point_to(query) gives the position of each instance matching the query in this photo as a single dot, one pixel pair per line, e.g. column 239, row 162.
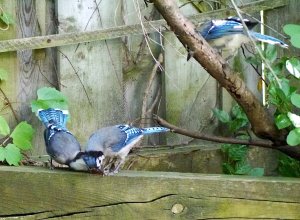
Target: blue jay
column 116, row 142
column 61, row 145
column 227, row 35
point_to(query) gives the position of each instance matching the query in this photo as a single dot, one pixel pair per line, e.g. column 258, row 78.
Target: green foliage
column 236, row 154
column 12, row 144
column 49, row 98
column 3, row 74
column 281, row 93
column 6, row 18
column 288, row 166
column 293, row 138
column 293, row 30
column 4, row 128
column 293, row 66
column 22, row 135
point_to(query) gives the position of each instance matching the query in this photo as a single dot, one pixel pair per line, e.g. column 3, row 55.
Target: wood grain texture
column 191, row 92
column 33, row 193
column 92, row 72
column 36, row 68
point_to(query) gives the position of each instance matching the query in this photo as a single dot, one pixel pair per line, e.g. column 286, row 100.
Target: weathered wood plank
column 40, row 193
column 116, row 32
column 91, row 73
column 36, row 68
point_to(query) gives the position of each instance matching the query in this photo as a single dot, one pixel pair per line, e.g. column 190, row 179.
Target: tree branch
column 262, row 123
column 291, row 151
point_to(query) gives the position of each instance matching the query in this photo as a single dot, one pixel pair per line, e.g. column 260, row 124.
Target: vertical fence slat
column 97, row 65
column 190, row 90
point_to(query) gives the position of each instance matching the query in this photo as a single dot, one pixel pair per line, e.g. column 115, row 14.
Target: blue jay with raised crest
column 116, row 142
column 228, row 35
column 61, row 145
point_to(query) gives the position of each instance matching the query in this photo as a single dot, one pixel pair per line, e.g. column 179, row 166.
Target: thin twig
column 10, row 106
column 77, row 76
column 150, row 81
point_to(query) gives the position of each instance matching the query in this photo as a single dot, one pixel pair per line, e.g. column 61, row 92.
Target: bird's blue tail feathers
column 268, row 39
column 53, row 117
column 153, row 130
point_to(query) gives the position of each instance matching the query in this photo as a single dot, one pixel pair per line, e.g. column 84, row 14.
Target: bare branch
column 293, row 152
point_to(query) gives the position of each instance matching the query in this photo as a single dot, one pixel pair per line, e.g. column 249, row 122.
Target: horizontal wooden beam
column 31, row 192
column 116, row 32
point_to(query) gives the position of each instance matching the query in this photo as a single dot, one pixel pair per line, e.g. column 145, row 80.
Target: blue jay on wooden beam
column 61, row 145
column 116, row 142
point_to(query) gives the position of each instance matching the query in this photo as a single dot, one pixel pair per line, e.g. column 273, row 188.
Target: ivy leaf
column 295, row 119
column 4, row 128
column 282, row 121
column 293, row 138
column 258, row 171
column 3, row 74
column 293, row 66
column 22, row 135
column 49, row 98
column 221, row 115
column 2, row 153
column 293, row 30
column 295, row 99
column 7, row 18
column 12, row 154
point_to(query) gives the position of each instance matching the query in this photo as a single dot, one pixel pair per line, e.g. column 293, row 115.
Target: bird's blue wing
column 127, row 135
column 218, row 28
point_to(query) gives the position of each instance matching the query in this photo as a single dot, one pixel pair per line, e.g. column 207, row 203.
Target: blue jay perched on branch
column 116, row 142
column 228, row 35
column 61, row 145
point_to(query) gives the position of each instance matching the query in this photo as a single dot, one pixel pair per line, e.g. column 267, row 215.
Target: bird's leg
column 118, row 164
column 51, row 164
column 107, row 165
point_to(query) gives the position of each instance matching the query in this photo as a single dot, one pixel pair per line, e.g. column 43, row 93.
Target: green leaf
column 22, row 135
column 293, row 30
column 4, row 128
column 293, row 138
column 237, row 124
column 293, row 66
column 295, row 40
column 288, row 166
column 49, row 98
column 295, row 99
column 221, row 115
column 271, row 53
column 48, row 93
column 7, row 18
column 242, row 168
column 295, row 119
column 237, row 152
column 258, row 171
column 45, row 104
column 228, row 169
column 12, row 155
column 282, row 121
column 3, row 74
column 2, row 153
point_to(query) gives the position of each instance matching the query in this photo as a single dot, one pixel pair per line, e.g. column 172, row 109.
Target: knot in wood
column 177, row 208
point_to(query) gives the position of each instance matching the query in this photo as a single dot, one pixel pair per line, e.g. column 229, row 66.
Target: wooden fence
column 101, row 61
